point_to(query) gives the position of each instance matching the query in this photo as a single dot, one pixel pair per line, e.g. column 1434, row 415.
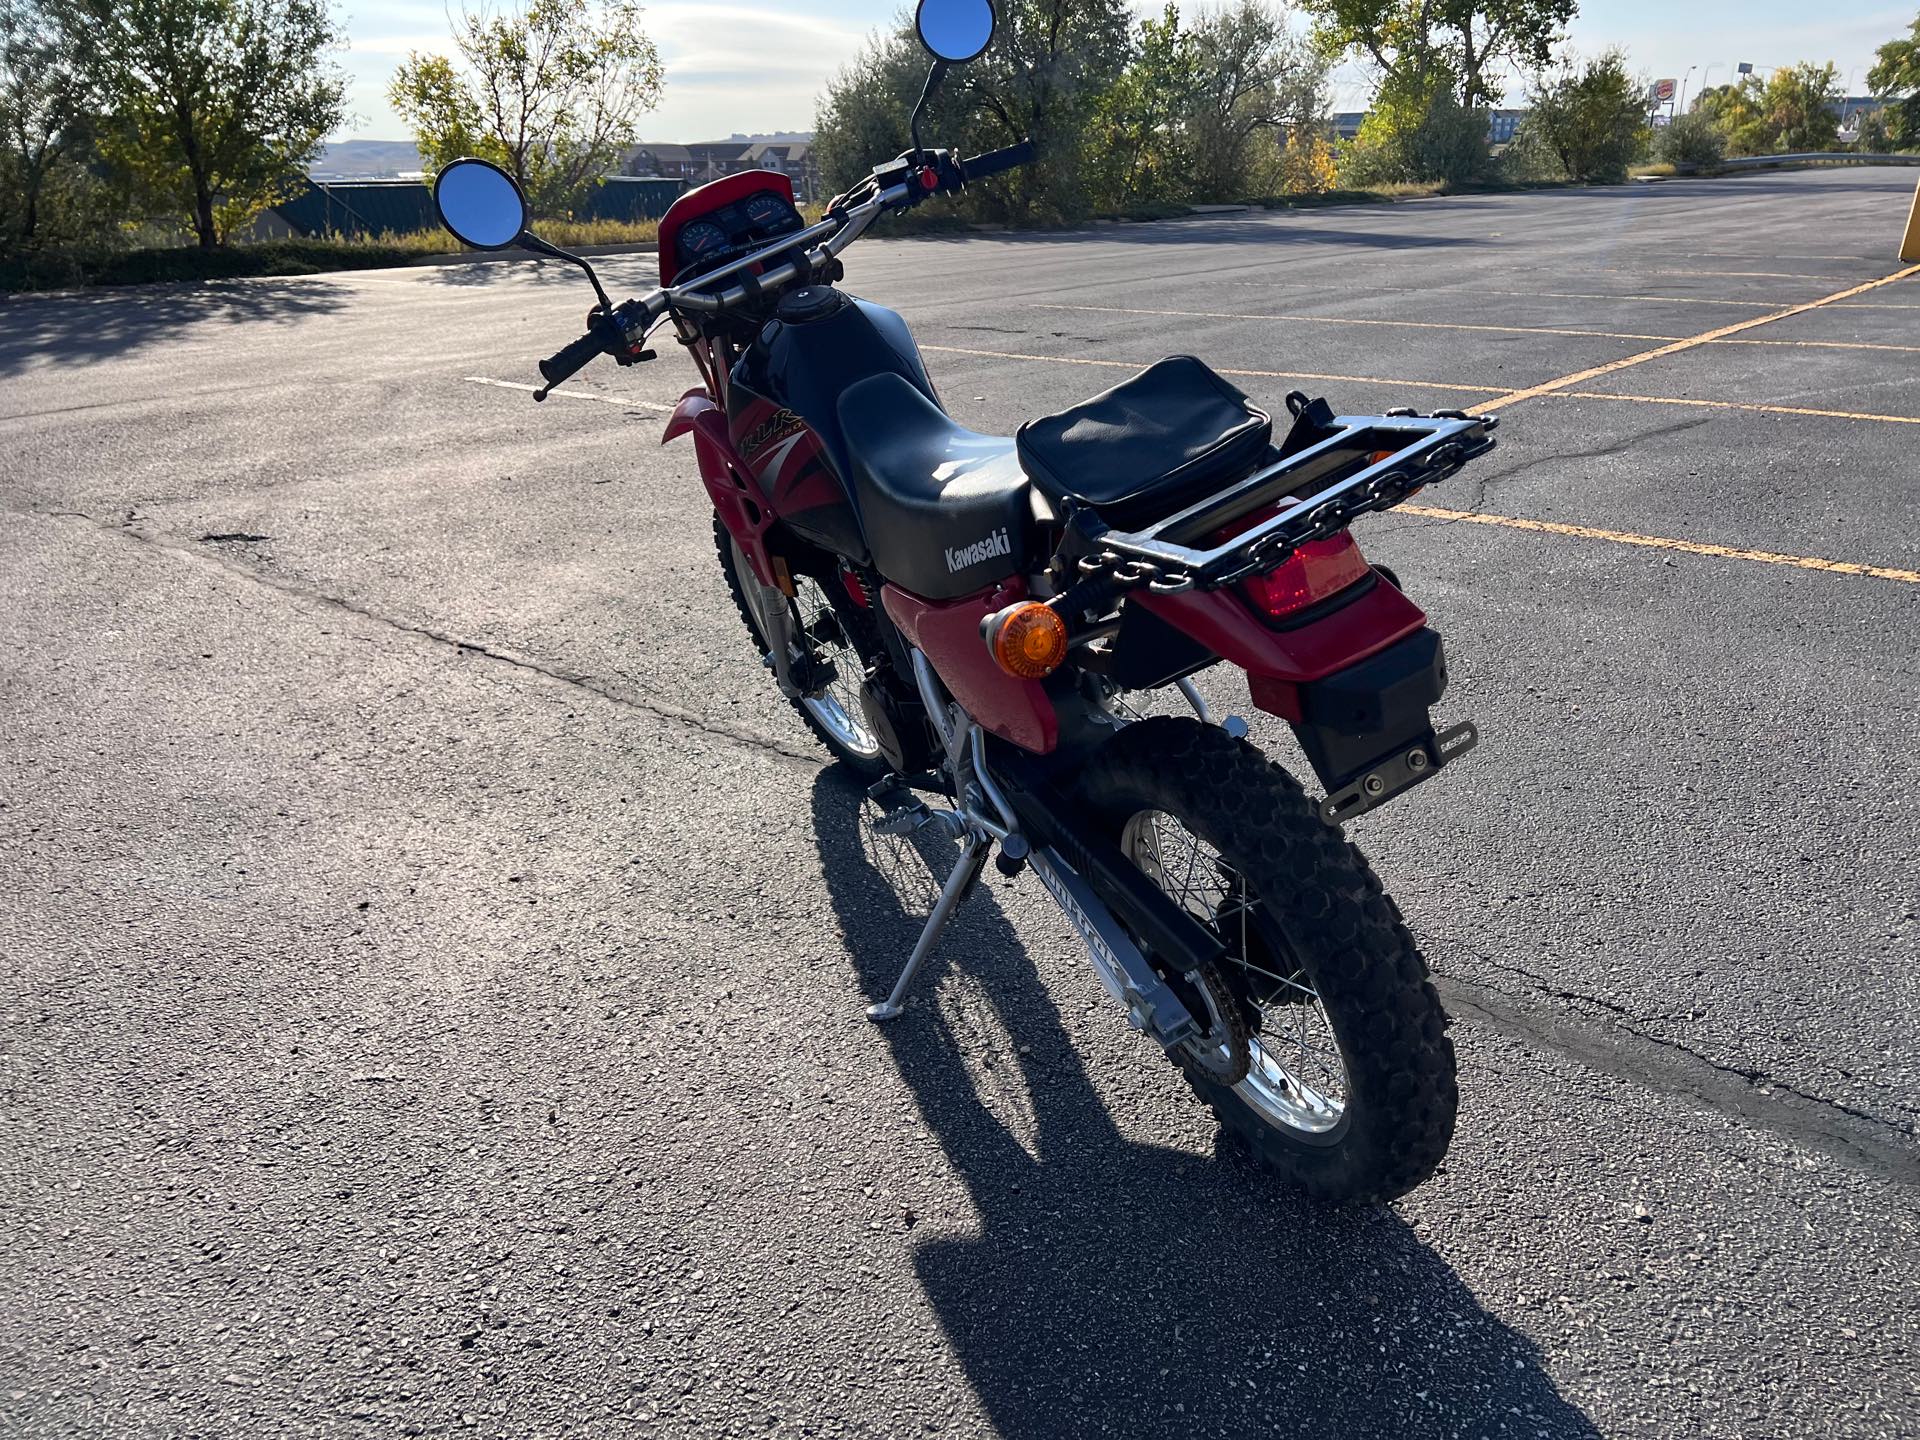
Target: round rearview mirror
column 955, row 30
column 480, row 204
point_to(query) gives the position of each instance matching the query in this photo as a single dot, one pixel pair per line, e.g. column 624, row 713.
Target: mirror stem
column 934, row 74
column 529, row 241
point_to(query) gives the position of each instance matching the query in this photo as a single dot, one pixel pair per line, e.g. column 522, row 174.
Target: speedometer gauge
column 699, row 240
column 768, row 211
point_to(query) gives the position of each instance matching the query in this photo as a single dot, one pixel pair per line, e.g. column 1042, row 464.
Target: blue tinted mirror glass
column 480, row 204
column 955, row 29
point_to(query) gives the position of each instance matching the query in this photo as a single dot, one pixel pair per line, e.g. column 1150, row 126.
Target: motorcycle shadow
column 1124, row 1288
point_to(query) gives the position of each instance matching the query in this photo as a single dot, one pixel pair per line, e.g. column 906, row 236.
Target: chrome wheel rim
column 1297, row 1078
column 835, row 707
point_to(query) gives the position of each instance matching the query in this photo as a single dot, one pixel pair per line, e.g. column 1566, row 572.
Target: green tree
column 553, row 93
column 1874, row 136
column 1257, row 85
column 1051, row 64
column 1895, row 78
column 1140, row 136
column 861, row 118
column 210, row 109
column 1797, row 106
column 1592, row 117
column 1419, row 43
column 43, row 130
column 1735, row 111
column 1217, row 111
column 1418, row 131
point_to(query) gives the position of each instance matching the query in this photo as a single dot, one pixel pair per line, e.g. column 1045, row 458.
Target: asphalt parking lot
column 432, row 960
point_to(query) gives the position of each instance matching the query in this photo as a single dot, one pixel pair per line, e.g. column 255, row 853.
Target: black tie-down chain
column 1391, row 487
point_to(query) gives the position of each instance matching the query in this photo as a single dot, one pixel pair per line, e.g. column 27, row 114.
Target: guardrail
column 1825, row 157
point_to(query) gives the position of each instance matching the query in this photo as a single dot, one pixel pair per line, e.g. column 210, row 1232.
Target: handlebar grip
column 572, row 360
column 995, row 161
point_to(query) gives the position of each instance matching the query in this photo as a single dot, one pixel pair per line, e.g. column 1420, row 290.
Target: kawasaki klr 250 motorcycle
column 967, row 621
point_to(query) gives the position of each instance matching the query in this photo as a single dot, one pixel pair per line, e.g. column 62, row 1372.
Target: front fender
column 693, row 404
column 728, row 480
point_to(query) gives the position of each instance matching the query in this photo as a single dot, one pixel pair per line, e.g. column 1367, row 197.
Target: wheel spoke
column 1298, row 1077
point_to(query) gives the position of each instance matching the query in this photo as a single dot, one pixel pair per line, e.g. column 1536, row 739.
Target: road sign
column 1745, row 67
column 1663, row 90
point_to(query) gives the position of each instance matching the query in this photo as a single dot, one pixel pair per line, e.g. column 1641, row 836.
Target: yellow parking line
column 1724, row 274
column 1827, row 345
column 1461, row 325
column 1221, row 370
column 1736, row 255
column 1732, row 405
column 1651, row 299
column 1345, row 320
column 1704, row 338
column 1663, row 542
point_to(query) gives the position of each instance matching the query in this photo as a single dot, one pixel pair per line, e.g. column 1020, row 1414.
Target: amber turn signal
column 1028, row 640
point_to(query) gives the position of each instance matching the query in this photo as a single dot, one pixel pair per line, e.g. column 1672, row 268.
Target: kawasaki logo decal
column 995, row 544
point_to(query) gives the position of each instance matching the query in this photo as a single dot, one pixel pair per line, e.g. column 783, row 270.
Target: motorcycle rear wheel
column 1351, row 1091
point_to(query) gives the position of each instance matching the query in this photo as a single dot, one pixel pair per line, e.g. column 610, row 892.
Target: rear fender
column 1278, row 662
column 743, row 511
column 948, row 633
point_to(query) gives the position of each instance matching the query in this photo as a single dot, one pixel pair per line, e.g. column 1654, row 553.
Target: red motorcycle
column 968, row 621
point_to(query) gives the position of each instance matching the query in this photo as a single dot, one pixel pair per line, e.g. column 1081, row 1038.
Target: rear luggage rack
column 1333, row 454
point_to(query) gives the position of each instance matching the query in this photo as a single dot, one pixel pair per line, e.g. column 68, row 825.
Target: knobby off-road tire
column 1314, row 888
column 863, row 646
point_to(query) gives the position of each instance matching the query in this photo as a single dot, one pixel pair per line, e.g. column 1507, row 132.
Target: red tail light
column 1317, row 570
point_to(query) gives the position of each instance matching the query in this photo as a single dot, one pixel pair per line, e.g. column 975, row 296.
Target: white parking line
column 629, row 404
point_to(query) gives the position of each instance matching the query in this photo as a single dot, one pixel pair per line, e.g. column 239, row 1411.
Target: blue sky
column 757, row 65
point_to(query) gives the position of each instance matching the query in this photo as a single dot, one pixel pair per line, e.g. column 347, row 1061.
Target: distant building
column 1503, row 125
column 398, row 207
column 705, row 160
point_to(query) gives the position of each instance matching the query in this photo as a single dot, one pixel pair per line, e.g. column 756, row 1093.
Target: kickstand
column 965, row 871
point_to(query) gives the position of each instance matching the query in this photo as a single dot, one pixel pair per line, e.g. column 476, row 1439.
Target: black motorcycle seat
column 946, row 512
column 1150, row 446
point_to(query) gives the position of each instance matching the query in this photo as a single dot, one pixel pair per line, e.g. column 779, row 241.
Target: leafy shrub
column 1415, row 135
column 1692, row 141
column 1593, row 119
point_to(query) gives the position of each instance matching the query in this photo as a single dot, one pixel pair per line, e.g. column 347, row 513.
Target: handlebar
column 897, row 185
column 996, row 161
column 570, row 361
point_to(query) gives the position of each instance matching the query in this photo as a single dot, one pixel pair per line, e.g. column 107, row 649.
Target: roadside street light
column 1680, row 106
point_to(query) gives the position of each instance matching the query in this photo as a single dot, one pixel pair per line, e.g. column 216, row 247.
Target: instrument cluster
column 730, row 231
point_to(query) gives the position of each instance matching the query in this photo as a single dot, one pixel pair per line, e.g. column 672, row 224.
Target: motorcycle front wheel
column 1346, row 1085
column 833, row 635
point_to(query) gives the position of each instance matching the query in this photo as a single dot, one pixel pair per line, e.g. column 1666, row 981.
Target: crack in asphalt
column 1862, row 1141
column 658, row 710
column 1484, row 483
column 1754, row 1096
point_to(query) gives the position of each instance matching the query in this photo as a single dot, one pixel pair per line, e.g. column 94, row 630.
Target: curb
column 487, row 257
